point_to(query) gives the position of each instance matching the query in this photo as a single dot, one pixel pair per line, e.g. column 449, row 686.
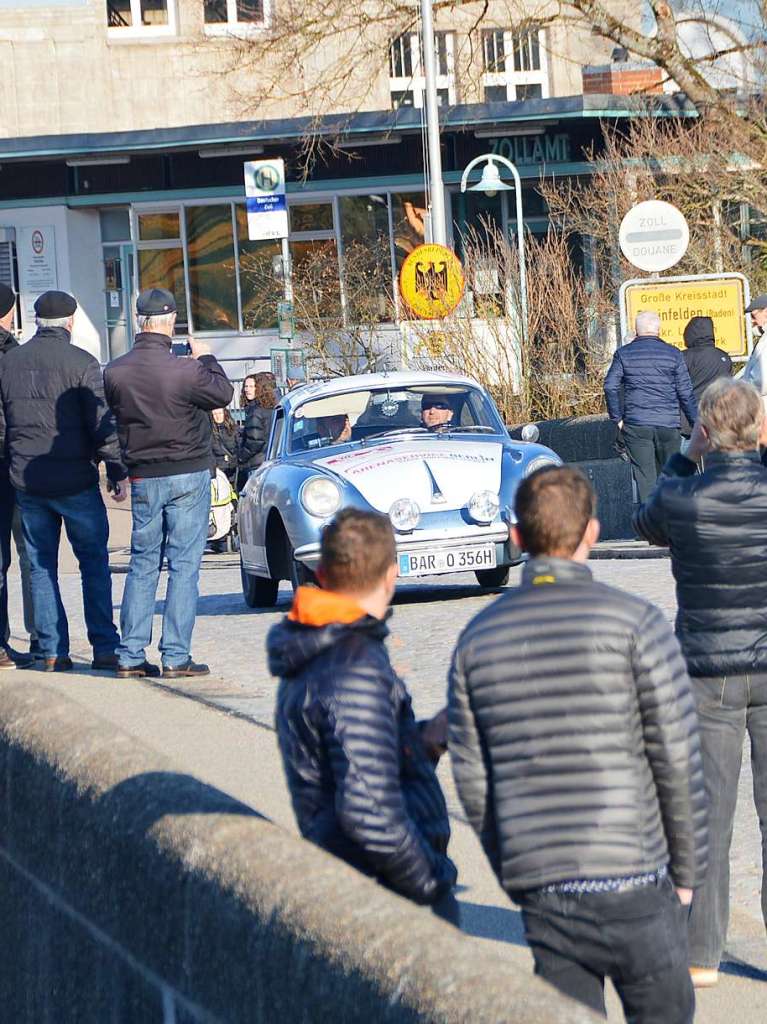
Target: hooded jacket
column 361, row 783
column 647, row 384
column 55, row 426
column 573, row 734
column 715, row 524
column 705, row 363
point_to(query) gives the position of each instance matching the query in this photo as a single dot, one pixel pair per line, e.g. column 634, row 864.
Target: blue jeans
column 85, row 520
column 170, row 520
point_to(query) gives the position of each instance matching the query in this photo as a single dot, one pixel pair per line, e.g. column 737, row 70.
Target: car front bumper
column 436, row 540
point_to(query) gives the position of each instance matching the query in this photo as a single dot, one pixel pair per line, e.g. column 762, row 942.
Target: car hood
column 439, row 473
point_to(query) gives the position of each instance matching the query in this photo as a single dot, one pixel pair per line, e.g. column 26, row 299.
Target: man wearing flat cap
column 56, row 428
column 162, row 404
column 10, row 521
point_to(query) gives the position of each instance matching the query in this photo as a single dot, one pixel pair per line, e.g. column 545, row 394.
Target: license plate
column 425, row 563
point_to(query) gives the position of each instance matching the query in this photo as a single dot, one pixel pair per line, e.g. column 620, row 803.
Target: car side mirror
column 530, row 432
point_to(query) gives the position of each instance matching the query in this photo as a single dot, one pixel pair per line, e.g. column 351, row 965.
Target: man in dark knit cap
column 56, row 427
column 9, row 516
column 163, row 405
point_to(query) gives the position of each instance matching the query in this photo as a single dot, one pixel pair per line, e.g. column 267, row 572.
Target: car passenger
column 436, row 412
column 335, row 429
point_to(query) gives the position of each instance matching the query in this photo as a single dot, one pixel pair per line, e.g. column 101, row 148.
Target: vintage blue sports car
column 429, row 449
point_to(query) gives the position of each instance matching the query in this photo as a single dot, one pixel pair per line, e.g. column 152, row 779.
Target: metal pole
column 287, row 278
column 438, row 223
column 521, row 244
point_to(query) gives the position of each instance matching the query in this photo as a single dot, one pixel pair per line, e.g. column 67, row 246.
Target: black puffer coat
column 255, row 435
column 55, row 425
column 715, row 524
column 573, row 734
column 647, row 383
column 705, row 363
column 361, row 783
column 225, row 448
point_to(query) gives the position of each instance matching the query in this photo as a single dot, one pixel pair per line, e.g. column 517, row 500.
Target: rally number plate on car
column 424, row 563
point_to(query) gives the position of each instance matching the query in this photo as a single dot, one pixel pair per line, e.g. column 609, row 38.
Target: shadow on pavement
column 499, row 923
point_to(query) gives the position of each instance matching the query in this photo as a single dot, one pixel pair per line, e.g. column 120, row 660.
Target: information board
column 265, row 199
column 676, row 300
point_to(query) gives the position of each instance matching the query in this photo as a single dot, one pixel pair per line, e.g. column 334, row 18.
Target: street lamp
column 491, row 184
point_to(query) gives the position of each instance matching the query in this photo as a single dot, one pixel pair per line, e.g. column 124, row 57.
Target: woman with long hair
column 248, row 390
column 225, row 446
column 258, row 422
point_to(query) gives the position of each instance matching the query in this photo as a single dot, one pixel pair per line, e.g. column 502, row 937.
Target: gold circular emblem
column 431, row 281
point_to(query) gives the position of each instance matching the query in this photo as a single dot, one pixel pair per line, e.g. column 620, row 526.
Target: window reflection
column 212, row 275
column 409, row 222
column 367, row 257
column 260, row 291
column 164, row 268
column 153, row 227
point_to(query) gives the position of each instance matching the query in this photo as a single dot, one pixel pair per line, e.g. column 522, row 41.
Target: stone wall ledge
column 131, row 891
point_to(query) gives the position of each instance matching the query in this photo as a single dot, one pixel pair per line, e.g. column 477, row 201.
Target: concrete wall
column 130, row 892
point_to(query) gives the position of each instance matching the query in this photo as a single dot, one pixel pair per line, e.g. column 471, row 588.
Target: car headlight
column 320, row 496
column 483, row 506
column 405, row 515
column 539, row 462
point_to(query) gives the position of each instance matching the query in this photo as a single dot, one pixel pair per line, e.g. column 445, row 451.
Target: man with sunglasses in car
column 436, row 413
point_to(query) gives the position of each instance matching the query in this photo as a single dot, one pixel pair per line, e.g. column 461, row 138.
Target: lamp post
column 490, row 183
column 437, row 212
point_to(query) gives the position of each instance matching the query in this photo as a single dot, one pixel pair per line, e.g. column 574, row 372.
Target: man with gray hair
column 715, row 524
column 55, row 427
column 645, row 387
column 163, row 404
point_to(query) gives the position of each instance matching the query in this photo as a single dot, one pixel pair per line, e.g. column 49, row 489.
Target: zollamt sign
column 533, row 149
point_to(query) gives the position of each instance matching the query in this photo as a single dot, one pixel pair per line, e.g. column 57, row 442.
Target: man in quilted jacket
column 646, row 387
column 715, row 524
column 360, row 769
column 574, row 745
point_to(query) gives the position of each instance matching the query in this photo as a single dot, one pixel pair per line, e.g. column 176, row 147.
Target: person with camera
column 162, row 404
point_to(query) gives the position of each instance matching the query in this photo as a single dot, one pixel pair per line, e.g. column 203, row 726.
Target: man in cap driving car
column 436, row 412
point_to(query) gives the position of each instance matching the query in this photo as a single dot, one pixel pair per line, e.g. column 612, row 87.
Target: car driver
column 436, row 412
column 337, row 428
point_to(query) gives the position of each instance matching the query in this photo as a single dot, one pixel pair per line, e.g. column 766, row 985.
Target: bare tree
column 325, row 56
column 553, row 368
column 340, row 307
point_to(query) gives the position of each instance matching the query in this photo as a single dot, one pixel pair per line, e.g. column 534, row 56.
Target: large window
column 514, row 65
column 407, row 83
column 212, row 273
column 235, row 16
column 160, row 257
column 141, row 17
column 366, row 259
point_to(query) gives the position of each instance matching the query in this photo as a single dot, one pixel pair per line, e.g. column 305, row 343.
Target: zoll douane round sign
column 654, row 235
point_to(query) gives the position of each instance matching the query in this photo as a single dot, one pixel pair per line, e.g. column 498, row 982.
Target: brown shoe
column 189, row 668
column 138, row 671
column 6, row 661
column 60, row 664
column 704, row 977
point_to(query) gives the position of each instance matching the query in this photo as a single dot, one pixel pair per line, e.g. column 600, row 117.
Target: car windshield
column 388, row 411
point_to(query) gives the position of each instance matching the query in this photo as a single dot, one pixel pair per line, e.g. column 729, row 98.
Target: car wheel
column 258, row 591
column 497, row 577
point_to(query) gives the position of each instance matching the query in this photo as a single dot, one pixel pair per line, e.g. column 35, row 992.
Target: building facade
column 122, row 149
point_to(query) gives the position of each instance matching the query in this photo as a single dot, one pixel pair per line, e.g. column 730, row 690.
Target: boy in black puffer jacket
column 359, row 768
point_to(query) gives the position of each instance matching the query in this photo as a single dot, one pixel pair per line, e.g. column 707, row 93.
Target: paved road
column 427, row 620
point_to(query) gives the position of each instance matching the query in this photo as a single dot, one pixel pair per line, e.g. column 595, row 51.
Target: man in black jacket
column 705, row 362
column 574, row 747
column 645, row 388
column 163, row 407
column 715, row 524
column 56, row 428
column 10, row 521
column 361, row 777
